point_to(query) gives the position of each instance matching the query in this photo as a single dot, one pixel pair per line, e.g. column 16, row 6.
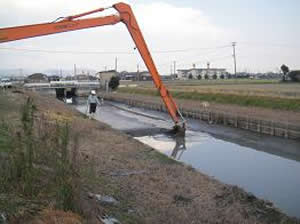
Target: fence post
column 258, row 126
column 224, row 119
column 286, row 132
column 272, row 128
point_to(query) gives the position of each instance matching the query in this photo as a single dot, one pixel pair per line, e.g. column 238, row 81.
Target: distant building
column 131, row 76
column 37, row 78
column 167, row 77
column 53, row 78
column 136, row 76
column 145, row 76
column 268, row 75
column 105, row 76
column 18, row 79
column 83, row 77
column 202, row 73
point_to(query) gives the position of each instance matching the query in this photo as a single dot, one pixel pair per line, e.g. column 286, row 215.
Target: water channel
column 266, row 166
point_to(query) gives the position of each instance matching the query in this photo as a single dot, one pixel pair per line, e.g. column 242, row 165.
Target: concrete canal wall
column 202, row 112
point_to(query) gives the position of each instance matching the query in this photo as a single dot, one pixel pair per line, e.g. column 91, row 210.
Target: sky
column 186, row 32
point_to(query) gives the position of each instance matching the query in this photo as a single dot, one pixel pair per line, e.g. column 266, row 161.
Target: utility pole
column 138, row 71
column 174, row 67
column 21, row 72
column 74, row 69
column 116, row 64
column 234, row 57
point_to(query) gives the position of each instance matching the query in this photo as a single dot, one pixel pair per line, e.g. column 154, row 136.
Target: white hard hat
column 93, row 92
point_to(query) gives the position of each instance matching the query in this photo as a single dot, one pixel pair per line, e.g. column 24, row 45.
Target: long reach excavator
column 125, row 15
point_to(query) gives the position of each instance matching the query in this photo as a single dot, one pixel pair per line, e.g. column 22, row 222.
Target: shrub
column 295, row 76
column 114, row 82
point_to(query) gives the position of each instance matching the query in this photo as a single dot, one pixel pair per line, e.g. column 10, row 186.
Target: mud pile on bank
column 122, row 179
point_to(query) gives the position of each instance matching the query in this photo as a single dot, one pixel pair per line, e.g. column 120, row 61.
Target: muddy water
column 265, row 166
column 267, row 176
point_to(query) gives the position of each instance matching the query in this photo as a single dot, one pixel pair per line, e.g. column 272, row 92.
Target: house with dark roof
column 105, row 76
column 37, row 78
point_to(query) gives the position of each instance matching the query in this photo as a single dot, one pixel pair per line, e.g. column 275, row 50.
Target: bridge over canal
column 64, row 89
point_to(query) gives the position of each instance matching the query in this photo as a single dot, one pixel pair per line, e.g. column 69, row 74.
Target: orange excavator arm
column 72, row 23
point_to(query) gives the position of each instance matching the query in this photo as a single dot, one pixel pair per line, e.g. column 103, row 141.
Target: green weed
column 39, row 161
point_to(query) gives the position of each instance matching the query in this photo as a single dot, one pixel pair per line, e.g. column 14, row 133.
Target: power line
column 207, row 55
column 65, row 52
column 269, row 44
column 108, row 52
column 211, row 60
column 189, row 49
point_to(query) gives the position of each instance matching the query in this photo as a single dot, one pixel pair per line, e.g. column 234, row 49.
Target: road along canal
column 267, row 166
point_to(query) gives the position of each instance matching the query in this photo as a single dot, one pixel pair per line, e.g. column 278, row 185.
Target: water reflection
column 179, row 148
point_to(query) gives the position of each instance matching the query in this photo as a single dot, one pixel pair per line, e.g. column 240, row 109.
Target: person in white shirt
column 92, row 103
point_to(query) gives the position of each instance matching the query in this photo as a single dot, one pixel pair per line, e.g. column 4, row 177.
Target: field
column 269, row 88
column 251, row 93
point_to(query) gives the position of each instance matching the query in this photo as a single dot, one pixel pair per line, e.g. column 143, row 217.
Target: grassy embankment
column 43, row 170
column 269, row 102
column 37, row 170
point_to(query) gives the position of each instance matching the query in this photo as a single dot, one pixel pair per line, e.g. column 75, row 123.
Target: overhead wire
column 107, row 52
column 211, row 53
column 208, row 51
column 268, row 44
column 65, row 51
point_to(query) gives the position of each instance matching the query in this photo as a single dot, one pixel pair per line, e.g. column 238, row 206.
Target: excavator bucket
column 179, row 130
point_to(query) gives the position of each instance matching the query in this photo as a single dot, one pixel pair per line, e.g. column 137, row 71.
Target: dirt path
column 148, row 186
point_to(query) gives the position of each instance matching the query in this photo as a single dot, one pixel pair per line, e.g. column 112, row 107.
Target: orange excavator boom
column 72, row 23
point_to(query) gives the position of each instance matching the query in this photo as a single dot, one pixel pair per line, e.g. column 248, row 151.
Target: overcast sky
column 188, row 32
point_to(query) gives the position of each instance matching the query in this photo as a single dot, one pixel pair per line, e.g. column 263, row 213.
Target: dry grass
column 49, row 216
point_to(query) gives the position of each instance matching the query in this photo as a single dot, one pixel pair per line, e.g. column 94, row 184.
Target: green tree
column 114, row 82
column 285, row 70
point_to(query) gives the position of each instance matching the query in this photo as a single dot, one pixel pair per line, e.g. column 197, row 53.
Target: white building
column 202, row 73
